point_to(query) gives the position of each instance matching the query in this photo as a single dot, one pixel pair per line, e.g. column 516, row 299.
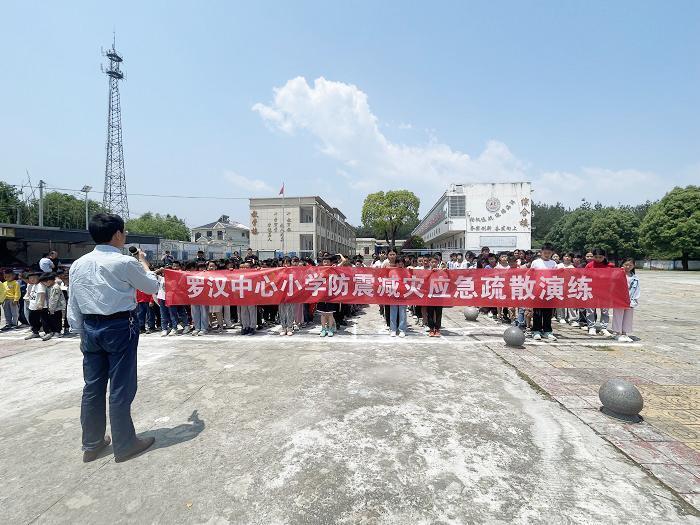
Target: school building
column 469, row 216
column 300, row 226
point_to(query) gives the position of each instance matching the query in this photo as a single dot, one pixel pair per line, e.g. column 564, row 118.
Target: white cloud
column 253, row 186
column 338, row 115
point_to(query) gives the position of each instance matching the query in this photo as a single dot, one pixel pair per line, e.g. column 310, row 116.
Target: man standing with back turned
column 102, row 309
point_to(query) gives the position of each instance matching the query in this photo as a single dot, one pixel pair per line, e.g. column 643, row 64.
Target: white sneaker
column 550, row 337
column 591, row 331
column 537, row 336
column 604, row 332
column 562, row 321
column 393, row 334
column 165, row 333
column 427, row 329
column 624, row 339
column 402, row 334
column 575, row 324
column 194, row 333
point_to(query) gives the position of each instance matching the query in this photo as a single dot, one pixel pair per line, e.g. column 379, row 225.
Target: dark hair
column 547, row 246
column 577, row 256
column 392, row 250
column 48, row 276
column 626, row 259
column 103, row 226
column 485, row 248
column 598, row 251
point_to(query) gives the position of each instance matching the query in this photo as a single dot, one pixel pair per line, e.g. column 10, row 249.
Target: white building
column 300, row 226
column 224, row 231
column 368, row 246
column 469, row 216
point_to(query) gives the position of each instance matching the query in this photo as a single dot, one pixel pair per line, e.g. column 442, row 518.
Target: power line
column 152, row 194
column 164, row 196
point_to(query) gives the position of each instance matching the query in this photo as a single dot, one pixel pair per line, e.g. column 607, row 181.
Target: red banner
column 561, row 288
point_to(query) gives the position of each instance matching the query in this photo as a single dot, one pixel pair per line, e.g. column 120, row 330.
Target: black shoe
column 139, row 446
column 244, row 331
column 92, row 455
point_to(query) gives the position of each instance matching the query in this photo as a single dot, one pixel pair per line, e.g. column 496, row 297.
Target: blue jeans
column 200, row 317
column 146, row 316
column 109, row 353
column 397, row 311
column 168, row 316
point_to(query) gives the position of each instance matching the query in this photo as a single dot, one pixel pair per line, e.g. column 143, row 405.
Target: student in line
column 248, row 313
column 623, row 318
column 542, row 317
column 287, row 310
column 599, row 261
column 567, row 315
column 38, row 307
column 56, row 304
column 10, row 305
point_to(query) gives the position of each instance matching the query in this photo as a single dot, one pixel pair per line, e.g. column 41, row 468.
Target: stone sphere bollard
column 621, row 400
column 471, row 313
column 514, row 336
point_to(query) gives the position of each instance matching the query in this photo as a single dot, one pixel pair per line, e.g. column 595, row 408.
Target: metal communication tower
column 115, row 199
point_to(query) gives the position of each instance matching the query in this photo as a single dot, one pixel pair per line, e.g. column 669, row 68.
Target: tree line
column 666, row 229
column 63, row 210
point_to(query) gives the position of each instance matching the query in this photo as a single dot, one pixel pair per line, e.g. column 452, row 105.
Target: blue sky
column 597, row 99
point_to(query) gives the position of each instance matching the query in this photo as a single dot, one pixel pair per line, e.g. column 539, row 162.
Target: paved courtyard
column 364, row 428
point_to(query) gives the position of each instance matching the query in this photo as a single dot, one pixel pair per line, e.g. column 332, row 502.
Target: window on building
column 457, row 205
column 197, row 235
column 209, row 233
column 306, row 214
column 306, row 242
column 219, row 235
column 366, row 250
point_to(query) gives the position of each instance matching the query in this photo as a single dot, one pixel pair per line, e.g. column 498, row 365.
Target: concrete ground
column 361, row 428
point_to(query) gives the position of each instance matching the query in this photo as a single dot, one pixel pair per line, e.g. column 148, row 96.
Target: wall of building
column 469, row 216
column 298, row 226
column 237, row 236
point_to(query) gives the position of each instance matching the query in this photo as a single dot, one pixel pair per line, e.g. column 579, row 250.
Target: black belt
column 118, row 315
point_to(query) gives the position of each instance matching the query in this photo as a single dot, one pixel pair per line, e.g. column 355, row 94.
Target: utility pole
column 86, row 189
column 41, row 203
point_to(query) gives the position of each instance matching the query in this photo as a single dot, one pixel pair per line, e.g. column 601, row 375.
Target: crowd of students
column 38, row 299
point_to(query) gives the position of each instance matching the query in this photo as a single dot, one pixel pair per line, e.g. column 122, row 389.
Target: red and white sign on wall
column 570, row 288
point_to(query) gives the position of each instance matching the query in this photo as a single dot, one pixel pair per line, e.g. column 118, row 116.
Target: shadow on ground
column 167, row 437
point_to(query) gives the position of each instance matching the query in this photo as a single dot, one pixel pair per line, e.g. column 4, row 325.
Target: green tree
column 570, row 232
column 544, row 217
column 414, row 242
column 386, row 213
column 167, row 226
column 363, row 231
column 673, row 224
column 10, row 202
column 62, row 210
column 616, row 230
